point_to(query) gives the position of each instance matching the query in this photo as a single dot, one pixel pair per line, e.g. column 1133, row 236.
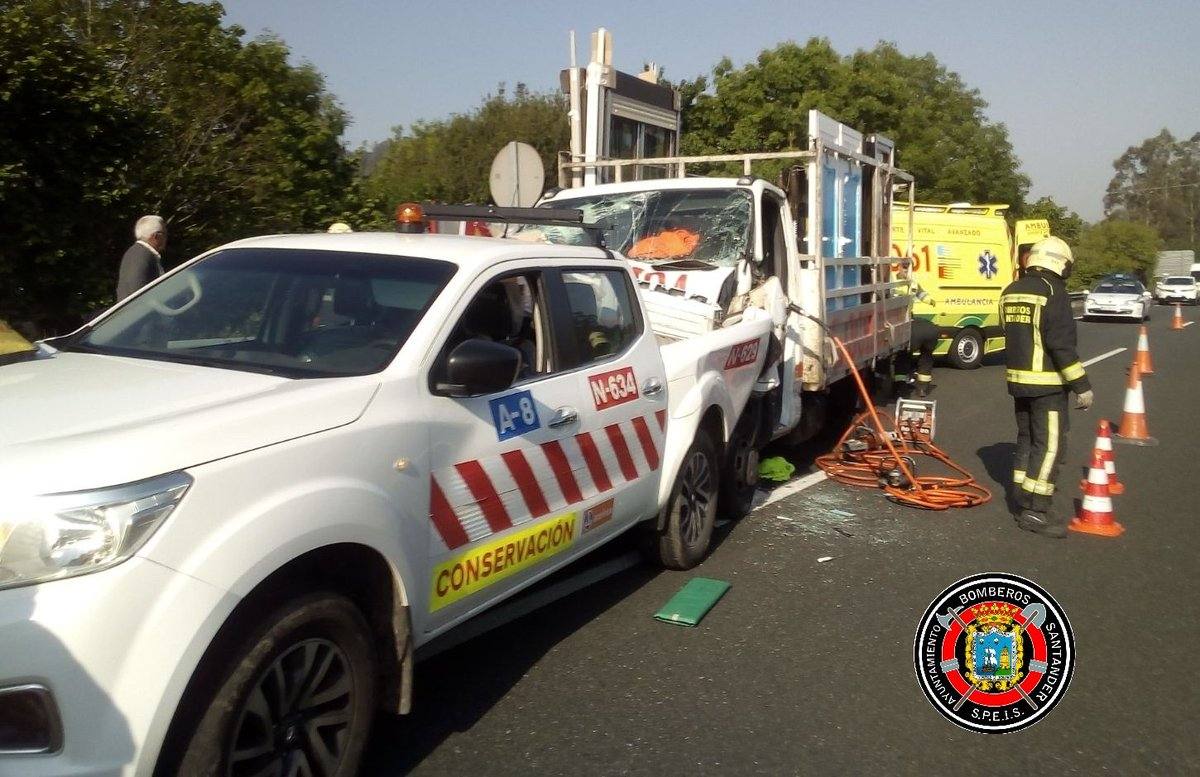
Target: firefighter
column 1043, row 369
column 923, row 340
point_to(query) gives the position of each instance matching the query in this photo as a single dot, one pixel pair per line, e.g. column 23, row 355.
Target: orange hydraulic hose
column 873, row 466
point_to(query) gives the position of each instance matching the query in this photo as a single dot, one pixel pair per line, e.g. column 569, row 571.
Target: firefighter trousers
column 1042, row 424
column 924, row 340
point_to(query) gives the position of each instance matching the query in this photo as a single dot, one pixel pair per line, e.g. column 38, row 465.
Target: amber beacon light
column 410, row 218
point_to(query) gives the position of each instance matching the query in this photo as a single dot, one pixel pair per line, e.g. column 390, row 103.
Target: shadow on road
column 455, row 689
column 997, row 459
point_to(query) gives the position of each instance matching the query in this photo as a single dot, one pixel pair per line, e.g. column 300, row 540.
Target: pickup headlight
column 63, row 535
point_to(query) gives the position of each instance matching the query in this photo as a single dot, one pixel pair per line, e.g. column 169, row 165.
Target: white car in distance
column 1118, row 297
column 1176, row 289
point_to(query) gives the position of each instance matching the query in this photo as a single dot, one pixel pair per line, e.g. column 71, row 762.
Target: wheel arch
column 357, row 571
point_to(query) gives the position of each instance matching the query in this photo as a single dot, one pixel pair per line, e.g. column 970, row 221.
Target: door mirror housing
column 477, row 367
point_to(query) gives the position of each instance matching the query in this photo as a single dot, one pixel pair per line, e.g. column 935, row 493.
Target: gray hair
column 149, row 226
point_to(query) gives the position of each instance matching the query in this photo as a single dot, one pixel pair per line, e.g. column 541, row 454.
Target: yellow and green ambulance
column 962, row 256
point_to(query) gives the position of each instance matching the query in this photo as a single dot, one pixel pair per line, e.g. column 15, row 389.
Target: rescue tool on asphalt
column 877, row 457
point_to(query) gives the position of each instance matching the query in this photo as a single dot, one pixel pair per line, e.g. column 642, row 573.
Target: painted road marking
column 1188, row 323
column 1104, row 356
column 764, row 498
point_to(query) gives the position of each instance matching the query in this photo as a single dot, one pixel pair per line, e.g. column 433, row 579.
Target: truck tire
column 296, row 697
column 739, row 475
column 966, row 349
column 691, row 512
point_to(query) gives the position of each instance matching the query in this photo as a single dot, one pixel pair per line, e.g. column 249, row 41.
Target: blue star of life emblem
column 987, row 265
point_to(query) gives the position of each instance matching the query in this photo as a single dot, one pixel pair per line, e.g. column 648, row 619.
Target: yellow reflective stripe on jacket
column 1039, row 351
column 1034, row 377
column 1028, row 299
column 1072, row 372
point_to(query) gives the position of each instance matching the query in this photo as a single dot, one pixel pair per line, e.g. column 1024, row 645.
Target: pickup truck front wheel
column 297, row 699
column 691, row 511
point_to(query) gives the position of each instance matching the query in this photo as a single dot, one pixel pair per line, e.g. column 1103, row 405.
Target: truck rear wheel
column 297, row 697
column 691, row 512
column 966, row 349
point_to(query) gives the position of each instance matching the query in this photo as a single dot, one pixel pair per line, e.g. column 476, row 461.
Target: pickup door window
column 528, row 477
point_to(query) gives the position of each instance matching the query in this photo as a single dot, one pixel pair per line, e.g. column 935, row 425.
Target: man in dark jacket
column 142, row 262
column 1043, row 368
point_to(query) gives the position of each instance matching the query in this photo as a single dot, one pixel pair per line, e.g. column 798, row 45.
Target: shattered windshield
column 677, row 227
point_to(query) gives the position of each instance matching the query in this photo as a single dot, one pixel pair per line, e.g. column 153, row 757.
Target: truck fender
column 707, row 393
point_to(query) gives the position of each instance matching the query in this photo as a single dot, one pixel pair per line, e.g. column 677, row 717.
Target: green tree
column 1158, row 183
column 1114, row 245
column 1064, row 222
column 938, row 123
column 115, row 108
column 450, row 160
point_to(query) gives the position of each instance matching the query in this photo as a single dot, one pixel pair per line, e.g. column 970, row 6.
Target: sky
column 1076, row 83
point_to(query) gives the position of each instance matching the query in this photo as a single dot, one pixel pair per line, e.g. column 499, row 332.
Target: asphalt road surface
column 806, row 667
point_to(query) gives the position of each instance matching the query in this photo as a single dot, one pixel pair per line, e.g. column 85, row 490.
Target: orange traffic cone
column 1145, row 366
column 1133, row 423
column 1104, row 448
column 1095, row 514
column 1177, row 319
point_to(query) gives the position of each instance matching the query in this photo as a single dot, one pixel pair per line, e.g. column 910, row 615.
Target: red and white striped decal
column 474, row 499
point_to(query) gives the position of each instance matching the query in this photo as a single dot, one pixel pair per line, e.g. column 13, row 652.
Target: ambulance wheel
column 297, row 696
column 691, row 512
column 966, row 349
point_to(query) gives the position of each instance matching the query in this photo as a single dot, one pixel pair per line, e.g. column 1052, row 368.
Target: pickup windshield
column 709, row 226
column 297, row 313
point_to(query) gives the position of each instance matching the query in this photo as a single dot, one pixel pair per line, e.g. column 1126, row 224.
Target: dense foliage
column 116, row 108
column 937, row 122
column 450, row 160
column 1114, row 245
column 1158, row 184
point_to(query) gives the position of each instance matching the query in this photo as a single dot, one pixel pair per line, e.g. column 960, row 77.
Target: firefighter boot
column 1041, row 523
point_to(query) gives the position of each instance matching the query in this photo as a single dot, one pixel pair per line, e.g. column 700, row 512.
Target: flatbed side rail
column 568, row 163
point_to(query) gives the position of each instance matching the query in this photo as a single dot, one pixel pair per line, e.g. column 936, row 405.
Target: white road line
column 1188, row 323
column 1104, row 356
column 788, row 489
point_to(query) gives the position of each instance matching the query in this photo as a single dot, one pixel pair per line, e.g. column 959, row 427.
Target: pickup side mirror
column 477, row 367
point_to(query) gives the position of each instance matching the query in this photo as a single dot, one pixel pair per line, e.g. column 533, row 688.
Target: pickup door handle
column 563, row 416
column 652, row 387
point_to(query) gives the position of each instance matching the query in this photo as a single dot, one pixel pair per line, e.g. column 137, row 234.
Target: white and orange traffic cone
column 1177, row 319
column 1104, row 448
column 1095, row 514
column 1145, row 366
column 1133, row 421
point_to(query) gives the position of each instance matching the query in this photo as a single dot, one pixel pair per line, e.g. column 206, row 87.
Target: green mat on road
column 693, row 601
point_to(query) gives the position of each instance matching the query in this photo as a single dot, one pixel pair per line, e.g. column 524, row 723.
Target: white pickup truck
column 235, row 503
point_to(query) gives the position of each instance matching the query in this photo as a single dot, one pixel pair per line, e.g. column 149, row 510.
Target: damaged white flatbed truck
column 238, row 501
column 814, row 251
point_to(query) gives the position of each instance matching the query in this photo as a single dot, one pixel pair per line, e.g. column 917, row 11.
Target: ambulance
column 962, row 256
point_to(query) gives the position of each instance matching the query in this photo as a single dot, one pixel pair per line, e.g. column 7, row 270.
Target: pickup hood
column 76, row 421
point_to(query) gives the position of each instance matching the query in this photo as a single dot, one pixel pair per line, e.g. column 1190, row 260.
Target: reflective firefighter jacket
column 1039, row 332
